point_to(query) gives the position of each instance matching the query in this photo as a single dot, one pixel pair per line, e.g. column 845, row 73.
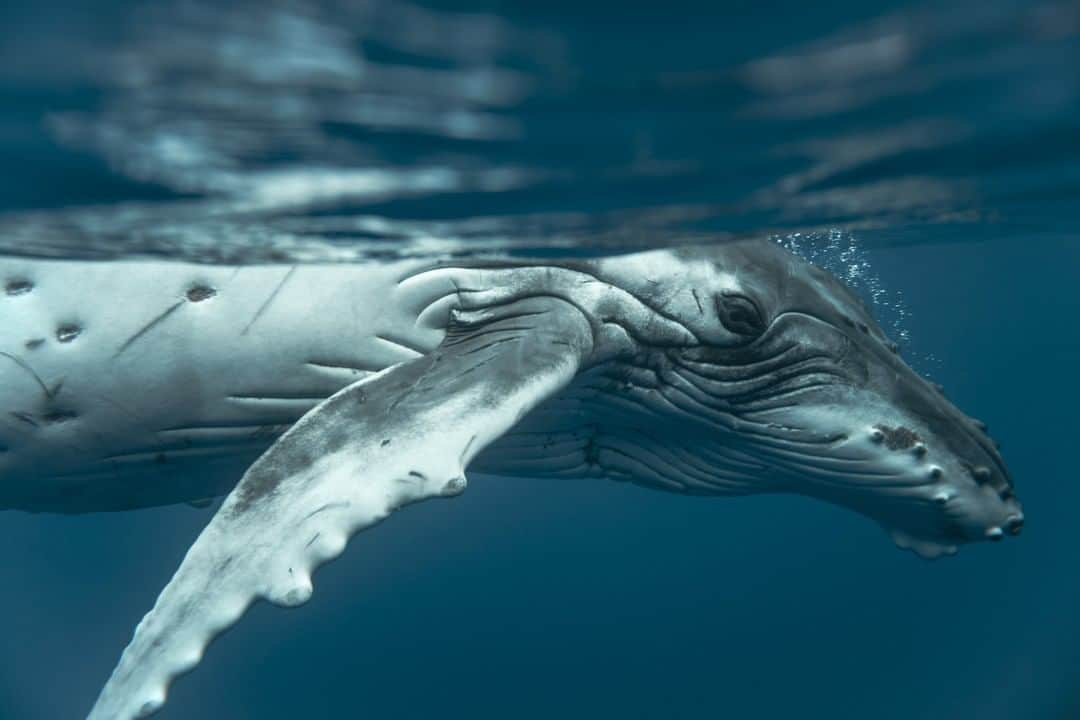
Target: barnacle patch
column 899, row 437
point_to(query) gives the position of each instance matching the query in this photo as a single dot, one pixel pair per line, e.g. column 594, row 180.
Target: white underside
column 160, row 398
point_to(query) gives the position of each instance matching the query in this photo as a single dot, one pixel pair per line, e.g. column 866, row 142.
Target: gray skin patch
column 340, row 414
column 335, row 440
column 264, row 480
column 899, row 437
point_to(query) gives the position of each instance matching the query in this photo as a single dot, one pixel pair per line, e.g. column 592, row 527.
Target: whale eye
column 739, row 314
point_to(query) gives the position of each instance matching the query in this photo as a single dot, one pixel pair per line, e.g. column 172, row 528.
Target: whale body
column 148, row 383
column 321, row 398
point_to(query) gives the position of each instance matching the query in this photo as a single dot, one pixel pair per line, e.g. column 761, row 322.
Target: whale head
column 793, row 387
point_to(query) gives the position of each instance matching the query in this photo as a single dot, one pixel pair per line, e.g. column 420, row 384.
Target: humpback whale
column 320, row 398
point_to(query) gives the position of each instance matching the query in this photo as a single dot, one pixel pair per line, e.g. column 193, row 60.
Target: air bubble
column 840, row 253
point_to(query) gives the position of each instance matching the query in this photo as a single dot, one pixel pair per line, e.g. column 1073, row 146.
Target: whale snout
column 968, row 493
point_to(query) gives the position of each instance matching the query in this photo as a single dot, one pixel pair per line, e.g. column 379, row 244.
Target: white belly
column 131, row 384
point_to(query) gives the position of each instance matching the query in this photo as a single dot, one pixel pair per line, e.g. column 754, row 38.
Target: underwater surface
column 928, row 153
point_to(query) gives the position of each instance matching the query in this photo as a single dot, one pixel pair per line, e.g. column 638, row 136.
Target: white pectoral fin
column 403, row 435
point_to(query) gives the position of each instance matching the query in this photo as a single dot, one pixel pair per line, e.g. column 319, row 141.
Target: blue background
column 539, row 599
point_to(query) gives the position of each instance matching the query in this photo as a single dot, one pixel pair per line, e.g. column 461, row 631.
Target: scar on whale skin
column 37, row 378
column 24, row 417
column 55, row 417
column 270, row 299
column 196, row 293
column 148, row 327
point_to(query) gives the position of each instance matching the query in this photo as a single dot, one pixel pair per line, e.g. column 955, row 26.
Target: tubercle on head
column 946, row 489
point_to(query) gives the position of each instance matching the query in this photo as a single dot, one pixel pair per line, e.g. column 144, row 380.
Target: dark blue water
column 942, row 139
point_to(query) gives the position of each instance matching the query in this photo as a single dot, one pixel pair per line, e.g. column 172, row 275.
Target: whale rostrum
column 340, row 393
